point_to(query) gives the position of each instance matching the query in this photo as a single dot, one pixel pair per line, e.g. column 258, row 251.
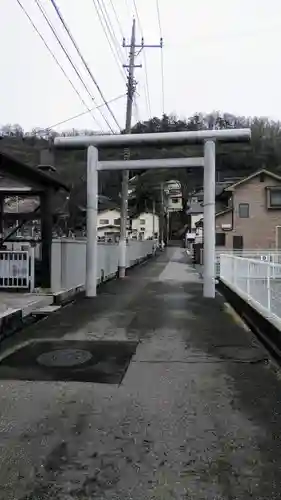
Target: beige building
column 251, row 218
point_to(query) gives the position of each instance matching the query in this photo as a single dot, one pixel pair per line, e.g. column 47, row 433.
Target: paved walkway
column 197, row 416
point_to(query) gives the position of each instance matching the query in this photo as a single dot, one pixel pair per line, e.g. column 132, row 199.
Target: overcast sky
column 218, row 55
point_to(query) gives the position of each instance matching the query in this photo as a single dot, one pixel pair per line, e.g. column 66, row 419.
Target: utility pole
column 131, row 87
column 153, row 219
column 162, row 216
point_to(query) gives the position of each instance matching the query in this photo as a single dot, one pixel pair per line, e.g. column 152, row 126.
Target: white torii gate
column 207, row 137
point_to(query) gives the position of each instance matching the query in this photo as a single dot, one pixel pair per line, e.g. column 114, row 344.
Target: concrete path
column 197, row 416
column 27, row 302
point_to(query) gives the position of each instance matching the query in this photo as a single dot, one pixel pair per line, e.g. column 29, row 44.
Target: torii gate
column 207, row 137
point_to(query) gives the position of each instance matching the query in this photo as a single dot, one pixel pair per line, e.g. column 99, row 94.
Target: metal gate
column 17, row 269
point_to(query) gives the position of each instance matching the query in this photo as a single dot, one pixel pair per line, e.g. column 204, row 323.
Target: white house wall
column 110, row 216
column 144, row 224
column 194, row 219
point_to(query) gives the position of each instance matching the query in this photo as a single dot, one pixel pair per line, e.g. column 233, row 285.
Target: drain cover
column 64, row 358
column 104, row 362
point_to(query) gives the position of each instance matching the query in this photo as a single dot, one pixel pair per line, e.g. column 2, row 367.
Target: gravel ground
column 197, row 415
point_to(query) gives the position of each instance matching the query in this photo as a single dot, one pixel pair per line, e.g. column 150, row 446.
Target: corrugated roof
column 25, row 173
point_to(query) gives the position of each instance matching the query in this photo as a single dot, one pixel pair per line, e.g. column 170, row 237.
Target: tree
column 235, row 160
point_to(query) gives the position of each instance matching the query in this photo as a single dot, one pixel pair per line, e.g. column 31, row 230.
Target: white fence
column 256, row 281
column 273, row 256
column 69, row 260
column 17, row 270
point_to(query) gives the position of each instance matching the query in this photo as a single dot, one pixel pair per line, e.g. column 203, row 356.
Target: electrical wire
column 162, row 57
column 85, row 64
column 55, row 59
column 147, row 96
column 111, row 29
column 117, row 19
column 66, row 53
column 71, row 62
column 80, row 114
column 110, row 42
column 129, row 10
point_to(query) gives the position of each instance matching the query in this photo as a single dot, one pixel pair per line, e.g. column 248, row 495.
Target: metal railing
column 17, row 269
column 273, row 256
column 256, row 281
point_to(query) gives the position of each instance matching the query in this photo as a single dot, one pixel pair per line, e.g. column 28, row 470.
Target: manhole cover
column 64, row 358
column 104, row 362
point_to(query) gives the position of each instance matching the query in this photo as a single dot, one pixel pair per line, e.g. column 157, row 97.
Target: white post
column 153, row 220
column 209, row 288
column 248, row 278
column 268, row 277
column 92, row 212
column 32, row 269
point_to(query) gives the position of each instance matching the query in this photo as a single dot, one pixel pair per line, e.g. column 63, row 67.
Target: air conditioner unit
column 226, row 227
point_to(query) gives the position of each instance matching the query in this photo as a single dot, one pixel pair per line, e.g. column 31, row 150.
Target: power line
column 112, row 46
column 84, row 62
column 81, row 114
column 110, row 28
column 162, row 58
column 65, row 51
column 55, row 59
column 128, row 7
column 147, row 96
column 117, row 18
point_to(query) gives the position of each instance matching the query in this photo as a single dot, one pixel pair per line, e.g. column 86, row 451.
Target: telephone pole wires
column 131, row 87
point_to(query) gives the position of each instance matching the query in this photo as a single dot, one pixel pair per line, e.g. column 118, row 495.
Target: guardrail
column 256, row 281
column 262, row 255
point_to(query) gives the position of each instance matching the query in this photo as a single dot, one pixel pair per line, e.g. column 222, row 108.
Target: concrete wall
column 69, row 261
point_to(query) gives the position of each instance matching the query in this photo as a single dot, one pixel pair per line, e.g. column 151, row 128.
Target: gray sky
column 218, row 55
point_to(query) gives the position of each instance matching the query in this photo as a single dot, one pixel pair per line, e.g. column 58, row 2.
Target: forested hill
column 264, row 151
column 232, row 160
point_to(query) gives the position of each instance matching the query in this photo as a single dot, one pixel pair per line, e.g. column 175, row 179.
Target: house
column 142, row 226
column 195, row 204
column 109, row 225
column 251, row 216
column 195, row 213
column 174, row 196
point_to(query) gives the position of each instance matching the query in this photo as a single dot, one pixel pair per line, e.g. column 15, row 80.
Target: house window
column 117, row 222
column 244, row 210
column 220, row 239
column 238, row 242
column 174, row 200
column 274, row 197
column 104, row 222
column 142, row 222
column 142, row 229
